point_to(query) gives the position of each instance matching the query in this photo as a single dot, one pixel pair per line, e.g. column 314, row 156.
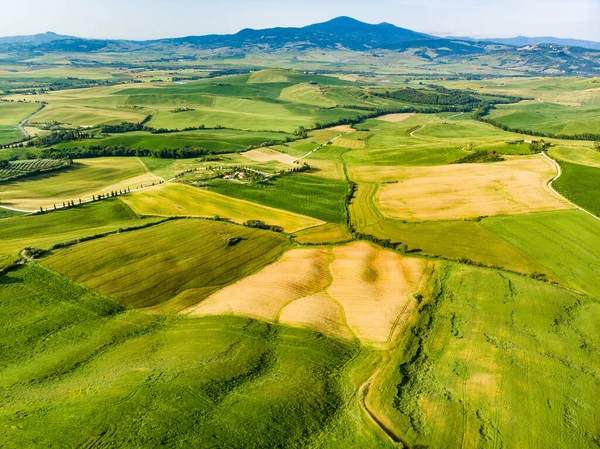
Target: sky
column 150, row 19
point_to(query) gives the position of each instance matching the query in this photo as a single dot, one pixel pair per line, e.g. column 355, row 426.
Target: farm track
column 558, row 167
column 322, row 146
column 23, row 122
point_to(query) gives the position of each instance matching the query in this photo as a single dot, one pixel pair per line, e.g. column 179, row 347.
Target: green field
column 494, row 359
column 216, row 141
column 578, row 183
column 303, row 194
column 154, row 264
column 46, row 230
column 147, row 320
column 237, row 102
column 11, row 115
column 104, row 376
column 561, row 105
column 568, row 243
column 82, row 179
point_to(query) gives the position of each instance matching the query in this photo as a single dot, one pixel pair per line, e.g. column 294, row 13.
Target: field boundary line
column 559, row 168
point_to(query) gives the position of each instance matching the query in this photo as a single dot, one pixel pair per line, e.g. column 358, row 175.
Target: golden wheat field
column 351, row 291
column 516, row 186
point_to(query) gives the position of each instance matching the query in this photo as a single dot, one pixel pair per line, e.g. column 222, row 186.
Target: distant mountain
column 523, row 55
column 34, row 39
column 521, row 41
column 340, row 32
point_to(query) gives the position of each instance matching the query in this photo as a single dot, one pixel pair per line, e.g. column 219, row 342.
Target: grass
column 79, row 370
column 567, row 243
column 493, row 359
column 580, row 184
column 449, row 239
column 549, row 117
column 216, row 141
column 562, row 105
column 82, row 179
column 183, row 200
column 46, row 230
column 147, row 268
column 307, row 195
column 11, row 115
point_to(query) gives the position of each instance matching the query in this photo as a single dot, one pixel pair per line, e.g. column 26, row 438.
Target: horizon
column 181, row 18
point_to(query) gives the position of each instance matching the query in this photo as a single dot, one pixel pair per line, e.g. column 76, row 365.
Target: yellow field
column 394, row 118
column 85, row 178
column 307, row 94
column 356, row 290
column 516, row 186
column 327, row 233
column 185, row 201
column 353, row 144
column 268, row 155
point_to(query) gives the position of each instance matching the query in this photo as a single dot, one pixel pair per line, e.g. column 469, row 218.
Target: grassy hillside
column 216, row 140
column 147, row 268
column 493, row 360
column 183, row 200
column 44, row 231
column 82, row 179
column 11, row 115
column 101, row 376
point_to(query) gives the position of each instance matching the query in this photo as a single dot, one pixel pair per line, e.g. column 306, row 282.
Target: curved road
column 23, row 122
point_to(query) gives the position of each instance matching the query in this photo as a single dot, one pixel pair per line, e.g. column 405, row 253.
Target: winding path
column 23, row 122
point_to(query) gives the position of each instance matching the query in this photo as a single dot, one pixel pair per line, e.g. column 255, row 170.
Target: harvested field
column 344, row 128
column 298, row 274
column 181, row 200
column 318, row 311
column 394, row 118
column 516, row 186
column 357, row 290
column 268, row 155
column 375, row 287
